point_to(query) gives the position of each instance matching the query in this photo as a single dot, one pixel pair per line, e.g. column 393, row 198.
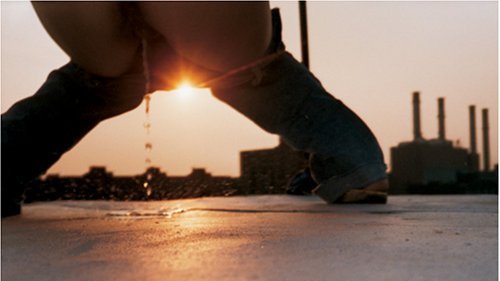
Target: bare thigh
column 93, row 34
column 216, row 35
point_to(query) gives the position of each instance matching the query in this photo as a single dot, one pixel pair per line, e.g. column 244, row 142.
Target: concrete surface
column 255, row 238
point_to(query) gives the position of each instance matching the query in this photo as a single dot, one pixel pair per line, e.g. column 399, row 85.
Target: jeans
column 284, row 98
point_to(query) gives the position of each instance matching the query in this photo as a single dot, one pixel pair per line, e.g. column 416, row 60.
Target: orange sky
column 371, row 55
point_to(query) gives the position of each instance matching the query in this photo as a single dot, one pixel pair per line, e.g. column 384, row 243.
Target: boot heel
column 375, row 193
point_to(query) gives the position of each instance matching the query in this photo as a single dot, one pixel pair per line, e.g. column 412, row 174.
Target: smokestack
column 441, row 130
column 486, row 141
column 417, row 134
column 472, row 129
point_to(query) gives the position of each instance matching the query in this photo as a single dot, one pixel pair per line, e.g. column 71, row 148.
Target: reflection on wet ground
column 254, row 238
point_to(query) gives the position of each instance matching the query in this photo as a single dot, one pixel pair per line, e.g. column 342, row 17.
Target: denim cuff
column 333, row 188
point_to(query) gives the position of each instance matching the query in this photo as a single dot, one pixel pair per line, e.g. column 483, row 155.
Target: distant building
column 99, row 184
column 267, row 171
column 262, row 172
column 422, row 162
column 435, row 162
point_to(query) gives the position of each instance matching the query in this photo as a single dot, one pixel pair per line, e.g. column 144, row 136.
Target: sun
column 185, row 89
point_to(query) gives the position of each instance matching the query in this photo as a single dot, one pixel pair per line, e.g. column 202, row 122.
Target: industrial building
column 267, row 171
column 420, row 164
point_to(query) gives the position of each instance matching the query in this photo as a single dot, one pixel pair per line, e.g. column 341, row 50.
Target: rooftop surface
column 254, row 238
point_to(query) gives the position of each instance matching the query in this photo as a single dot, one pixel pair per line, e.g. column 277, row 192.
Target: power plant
column 424, row 166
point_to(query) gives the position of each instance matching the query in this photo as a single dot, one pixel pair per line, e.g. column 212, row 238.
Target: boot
column 36, row 131
column 282, row 97
column 302, row 183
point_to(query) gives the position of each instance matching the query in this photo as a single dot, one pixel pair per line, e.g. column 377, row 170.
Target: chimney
column 486, row 141
column 417, row 134
column 472, row 129
column 441, row 129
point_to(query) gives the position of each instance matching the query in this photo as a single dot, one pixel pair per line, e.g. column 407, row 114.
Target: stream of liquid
column 148, row 146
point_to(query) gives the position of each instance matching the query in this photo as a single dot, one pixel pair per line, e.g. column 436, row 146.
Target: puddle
column 145, row 213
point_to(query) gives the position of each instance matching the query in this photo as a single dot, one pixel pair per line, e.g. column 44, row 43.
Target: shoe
column 375, row 193
column 301, row 184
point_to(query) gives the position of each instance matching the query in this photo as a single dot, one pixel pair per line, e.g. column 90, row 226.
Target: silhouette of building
column 264, row 171
column 267, row 171
column 436, row 165
column 99, row 184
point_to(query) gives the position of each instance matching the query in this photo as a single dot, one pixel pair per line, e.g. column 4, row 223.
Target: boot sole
column 363, row 197
column 375, row 193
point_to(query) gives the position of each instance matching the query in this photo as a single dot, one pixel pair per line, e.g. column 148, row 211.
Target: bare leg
column 93, row 34
column 217, row 35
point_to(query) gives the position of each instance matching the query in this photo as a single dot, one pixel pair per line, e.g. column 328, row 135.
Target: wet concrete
column 254, row 238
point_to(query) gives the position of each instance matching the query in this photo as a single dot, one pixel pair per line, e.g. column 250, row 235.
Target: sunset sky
column 371, row 55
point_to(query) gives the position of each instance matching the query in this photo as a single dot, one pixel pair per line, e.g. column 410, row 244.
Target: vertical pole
column 303, row 33
column 303, row 37
column 474, row 157
column 417, row 133
column 472, row 129
column 486, row 141
column 304, row 42
column 441, row 128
